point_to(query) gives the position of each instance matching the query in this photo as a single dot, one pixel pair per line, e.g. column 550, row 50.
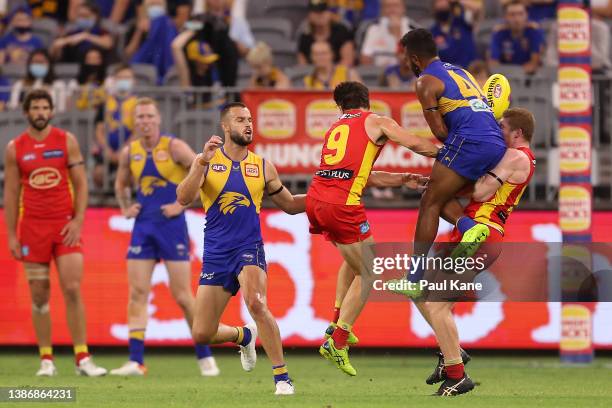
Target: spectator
column 327, row 75
column 381, row 39
column 353, row 12
column 4, row 93
column 117, row 11
column 19, row 43
column 540, row 10
column 322, row 28
column 601, row 8
column 518, row 41
column 480, row 71
column 239, row 29
column 399, row 76
column 114, row 122
column 156, row 47
column 87, row 34
column 265, row 74
column 54, row 9
column 87, row 90
column 39, row 75
column 453, row 30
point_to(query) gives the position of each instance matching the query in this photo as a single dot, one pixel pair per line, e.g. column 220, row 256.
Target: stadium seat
column 196, row 126
column 146, row 74
column 244, row 74
column 484, row 34
column 297, row 73
column 172, row 77
column 81, row 125
column 269, row 29
column 13, row 72
column 66, row 72
column 285, row 53
column 295, row 11
column 46, row 29
column 493, row 9
column 370, row 74
column 12, row 124
column 542, row 109
column 418, row 9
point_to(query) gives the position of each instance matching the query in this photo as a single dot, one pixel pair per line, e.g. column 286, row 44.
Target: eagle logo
column 149, row 183
column 229, row 201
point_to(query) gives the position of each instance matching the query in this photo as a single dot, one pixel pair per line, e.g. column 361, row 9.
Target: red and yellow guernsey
column 347, row 158
column 43, row 166
column 495, row 211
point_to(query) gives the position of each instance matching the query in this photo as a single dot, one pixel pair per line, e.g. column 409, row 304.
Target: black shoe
column 439, row 374
column 450, row 388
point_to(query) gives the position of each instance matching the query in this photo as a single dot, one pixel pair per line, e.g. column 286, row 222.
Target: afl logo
column 497, row 92
column 219, row 168
column 45, row 178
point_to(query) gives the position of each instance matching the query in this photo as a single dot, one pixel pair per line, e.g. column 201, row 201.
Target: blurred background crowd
column 95, row 56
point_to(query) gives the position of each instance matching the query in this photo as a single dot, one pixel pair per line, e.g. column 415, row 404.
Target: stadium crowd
column 98, row 54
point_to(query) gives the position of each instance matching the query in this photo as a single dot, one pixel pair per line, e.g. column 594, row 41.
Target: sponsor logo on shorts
column 25, row 250
column 364, row 227
column 181, row 249
column 45, row 178
column 248, row 257
column 53, row 154
column 251, row 170
column 29, row 156
column 135, row 250
column 341, row 174
column 207, row 276
column 137, row 157
column 229, row 201
column 219, row 168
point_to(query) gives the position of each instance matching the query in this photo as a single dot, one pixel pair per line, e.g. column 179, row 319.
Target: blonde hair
column 260, row 54
column 147, row 101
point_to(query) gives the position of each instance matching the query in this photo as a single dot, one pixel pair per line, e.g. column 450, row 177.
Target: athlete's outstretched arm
column 393, row 131
column 12, row 191
column 291, row 204
column 385, row 179
column 428, row 90
column 78, row 177
column 187, row 191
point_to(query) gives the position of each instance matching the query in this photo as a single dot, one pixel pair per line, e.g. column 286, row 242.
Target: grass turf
column 383, row 380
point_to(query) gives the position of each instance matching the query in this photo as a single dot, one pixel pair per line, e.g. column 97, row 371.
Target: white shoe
column 129, row 368
column 47, row 368
column 248, row 354
column 88, row 368
column 284, row 388
column 208, row 367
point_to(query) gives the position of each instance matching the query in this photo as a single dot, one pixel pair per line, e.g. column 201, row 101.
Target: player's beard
column 39, row 123
column 239, row 139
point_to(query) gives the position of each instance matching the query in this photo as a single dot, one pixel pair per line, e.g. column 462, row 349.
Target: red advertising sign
column 302, row 279
column 290, row 127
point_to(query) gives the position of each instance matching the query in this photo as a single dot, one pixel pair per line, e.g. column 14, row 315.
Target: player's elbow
column 182, row 197
column 480, row 196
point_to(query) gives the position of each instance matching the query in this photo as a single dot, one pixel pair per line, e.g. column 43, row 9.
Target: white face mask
column 124, row 85
column 155, row 11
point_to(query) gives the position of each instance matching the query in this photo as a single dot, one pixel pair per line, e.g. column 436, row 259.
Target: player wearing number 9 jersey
column 333, row 201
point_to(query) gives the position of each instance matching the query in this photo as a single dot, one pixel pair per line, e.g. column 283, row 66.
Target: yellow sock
column 80, row 348
column 240, row 335
column 345, row 326
column 337, row 304
column 45, row 351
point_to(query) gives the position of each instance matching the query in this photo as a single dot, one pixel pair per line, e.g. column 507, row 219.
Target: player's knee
column 183, row 299
column 434, row 307
column 256, row 305
column 72, row 293
column 138, row 294
column 40, row 302
column 203, row 335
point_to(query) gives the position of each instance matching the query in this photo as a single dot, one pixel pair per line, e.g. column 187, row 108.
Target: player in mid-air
column 459, row 116
column 333, row 203
column 45, row 192
column 231, row 181
column 156, row 164
column 494, row 197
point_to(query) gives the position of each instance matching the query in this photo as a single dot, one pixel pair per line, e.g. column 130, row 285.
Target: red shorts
column 41, row 240
column 492, row 247
column 342, row 224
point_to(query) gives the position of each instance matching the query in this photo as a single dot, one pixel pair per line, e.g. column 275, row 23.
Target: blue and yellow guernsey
column 157, row 176
column 464, row 106
column 231, row 195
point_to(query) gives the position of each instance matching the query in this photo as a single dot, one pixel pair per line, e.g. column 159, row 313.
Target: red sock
column 340, row 335
column 454, row 371
column 46, row 357
column 336, row 314
column 79, row 356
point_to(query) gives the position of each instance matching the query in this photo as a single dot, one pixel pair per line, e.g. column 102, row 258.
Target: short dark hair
column 420, row 42
column 507, row 4
column 122, row 66
column 520, row 118
column 229, row 106
column 352, row 95
column 36, row 95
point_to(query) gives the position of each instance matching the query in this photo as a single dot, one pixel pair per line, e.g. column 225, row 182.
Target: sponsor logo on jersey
column 52, row 154
column 219, row 168
column 45, row 178
column 25, row 250
column 162, row 155
column 149, row 183
column 478, row 105
column 341, row 174
column 29, row 156
column 251, row 170
column 229, row 201
column 39, row 145
column 351, row 115
column 137, row 157
column 364, row 227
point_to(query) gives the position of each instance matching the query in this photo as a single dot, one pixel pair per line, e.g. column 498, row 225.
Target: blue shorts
column 470, row 158
column 167, row 240
column 223, row 268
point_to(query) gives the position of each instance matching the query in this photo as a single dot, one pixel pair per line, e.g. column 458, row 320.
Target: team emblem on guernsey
column 149, row 183
column 229, row 201
column 44, row 178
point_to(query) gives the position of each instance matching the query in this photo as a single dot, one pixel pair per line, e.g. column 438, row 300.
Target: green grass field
column 384, row 380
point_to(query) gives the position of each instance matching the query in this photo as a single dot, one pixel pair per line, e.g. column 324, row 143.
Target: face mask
column 39, row 71
column 85, row 23
column 22, row 30
column 193, row 25
column 90, row 69
column 124, row 85
column 442, row 15
column 155, row 11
